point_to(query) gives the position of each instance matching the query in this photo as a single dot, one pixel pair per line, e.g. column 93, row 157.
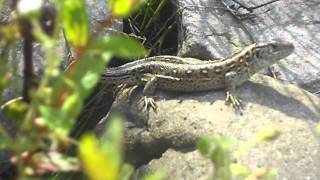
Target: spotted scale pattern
column 179, row 74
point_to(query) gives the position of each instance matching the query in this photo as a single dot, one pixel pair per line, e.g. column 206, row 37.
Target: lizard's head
column 271, row 52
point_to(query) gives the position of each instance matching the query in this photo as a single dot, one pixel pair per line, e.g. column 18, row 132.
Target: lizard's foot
column 148, row 102
column 235, row 101
column 124, row 89
column 120, row 89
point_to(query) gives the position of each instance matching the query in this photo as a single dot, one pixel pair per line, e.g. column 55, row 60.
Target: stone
column 181, row 118
column 297, row 21
column 176, row 164
column 97, row 12
column 208, row 31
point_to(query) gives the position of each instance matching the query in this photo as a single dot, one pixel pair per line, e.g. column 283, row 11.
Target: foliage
column 104, row 155
column 44, row 123
column 152, row 26
column 217, row 149
column 124, row 7
column 75, row 21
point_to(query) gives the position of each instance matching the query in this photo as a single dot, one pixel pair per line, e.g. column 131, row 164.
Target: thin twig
column 261, row 5
column 28, row 68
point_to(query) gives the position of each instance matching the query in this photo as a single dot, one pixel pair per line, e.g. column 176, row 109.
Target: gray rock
column 299, row 22
column 178, row 165
column 182, row 118
column 206, row 31
column 97, row 12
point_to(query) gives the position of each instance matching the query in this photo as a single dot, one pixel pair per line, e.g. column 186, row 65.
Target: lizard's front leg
column 148, row 93
column 232, row 80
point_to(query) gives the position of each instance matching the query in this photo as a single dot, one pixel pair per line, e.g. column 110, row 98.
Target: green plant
column 217, row 149
column 153, row 26
column 45, row 114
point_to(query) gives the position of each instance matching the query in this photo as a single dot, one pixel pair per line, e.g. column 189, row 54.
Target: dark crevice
column 100, row 103
column 161, row 36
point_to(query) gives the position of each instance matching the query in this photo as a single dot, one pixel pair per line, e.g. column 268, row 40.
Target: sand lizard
column 191, row 75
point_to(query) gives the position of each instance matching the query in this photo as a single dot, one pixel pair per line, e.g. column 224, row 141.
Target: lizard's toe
column 148, row 102
column 235, row 101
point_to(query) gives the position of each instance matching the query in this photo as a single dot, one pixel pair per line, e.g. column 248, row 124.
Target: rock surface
column 178, row 165
column 207, row 30
column 299, row 22
column 182, row 118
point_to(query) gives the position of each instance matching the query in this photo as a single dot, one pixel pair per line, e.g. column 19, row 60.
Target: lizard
column 192, row 75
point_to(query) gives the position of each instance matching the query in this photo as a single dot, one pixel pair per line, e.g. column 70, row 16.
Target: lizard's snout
column 278, row 47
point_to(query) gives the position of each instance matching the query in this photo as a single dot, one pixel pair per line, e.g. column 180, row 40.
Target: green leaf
column 75, row 21
column 119, row 46
column 239, row 170
column 268, row 134
column 263, row 173
column 210, row 145
column 106, row 155
column 89, row 80
column 15, row 110
column 88, row 73
column 2, row 143
column 71, row 89
column 126, row 172
column 217, row 148
column 205, row 146
column 71, row 107
column 113, row 136
column 272, row 174
column 96, row 163
column 155, row 176
column 124, row 8
column 55, row 119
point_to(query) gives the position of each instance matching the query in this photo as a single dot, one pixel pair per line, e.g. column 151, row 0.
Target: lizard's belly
column 190, row 85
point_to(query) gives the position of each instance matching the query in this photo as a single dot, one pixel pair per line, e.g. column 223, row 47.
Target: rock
column 297, row 21
column 97, row 12
column 181, row 118
column 208, row 31
column 178, row 165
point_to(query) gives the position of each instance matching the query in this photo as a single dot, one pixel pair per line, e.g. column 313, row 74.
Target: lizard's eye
column 259, row 53
column 274, row 48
